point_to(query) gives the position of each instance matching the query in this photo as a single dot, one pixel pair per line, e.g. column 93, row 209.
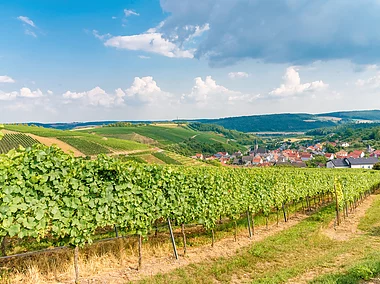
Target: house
column 257, row 160
column 198, row 156
column 356, row 154
column 337, row 164
column 247, row 160
column 375, row 154
column 310, row 148
column 345, row 144
column 306, row 156
column 318, row 147
column 329, row 156
column 341, row 154
column 362, row 163
column 236, row 155
column 224, row 160
column 353, row 163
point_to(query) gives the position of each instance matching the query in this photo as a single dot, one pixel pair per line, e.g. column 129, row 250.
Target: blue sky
column 139, row 59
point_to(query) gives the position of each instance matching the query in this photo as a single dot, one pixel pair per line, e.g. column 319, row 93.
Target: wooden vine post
column 337, row 206
column 283, row 209
column 140, row 252
column 3, row 246
column 76, row 267
column 172, row 239
column 249, row 224
column 184, row 239
column 235, row 233
column 116, row 231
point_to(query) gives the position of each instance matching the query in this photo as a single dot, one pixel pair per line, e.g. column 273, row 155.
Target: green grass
column 41, row 131
column 117, row 144
column 163, row 135
column 186, row 161
column 85, row 146
column 365, row 269
column 288, row 254
column 166, row 159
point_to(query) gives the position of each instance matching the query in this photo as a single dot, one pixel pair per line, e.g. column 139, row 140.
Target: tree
column 377, row 167
column 331, row 149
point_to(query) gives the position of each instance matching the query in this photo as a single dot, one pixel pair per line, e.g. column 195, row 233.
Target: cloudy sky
column 67, row 60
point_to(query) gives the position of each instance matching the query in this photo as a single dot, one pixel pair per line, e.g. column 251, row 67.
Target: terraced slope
column 14, row 140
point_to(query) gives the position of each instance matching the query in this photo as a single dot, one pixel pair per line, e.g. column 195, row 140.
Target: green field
column 85, row 146
column 161, row 134
column 88, row 144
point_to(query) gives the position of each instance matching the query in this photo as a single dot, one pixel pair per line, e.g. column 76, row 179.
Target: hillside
column 373, row 115
column 271, row 122
column 286, row 122
column 142, row 143
column 184, row 139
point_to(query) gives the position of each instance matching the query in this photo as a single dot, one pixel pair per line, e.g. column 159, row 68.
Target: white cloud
column 27, row 21
column 292, row 85
column 208, row 91
column 28, row 26
column 24, row 93
column 144, row 57
column 6, row 79
column 99, row 36
column 114, row 18
column 8, row 96
column 372, row 82
column 145, row 90
column 128, row 13
column 95, row 97
column 235, row 75
column 30, row 33
column 149, row 42
column 50, row 92
column 28, row 93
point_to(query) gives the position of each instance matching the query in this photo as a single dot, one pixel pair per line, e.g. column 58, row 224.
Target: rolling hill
column 285, row 122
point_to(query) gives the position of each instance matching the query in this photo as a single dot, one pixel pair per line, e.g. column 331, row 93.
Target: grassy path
column 288, row 254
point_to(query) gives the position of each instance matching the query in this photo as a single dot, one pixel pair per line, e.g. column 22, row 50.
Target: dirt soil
column 349, row 226
column 48, row 141
column 155, row 265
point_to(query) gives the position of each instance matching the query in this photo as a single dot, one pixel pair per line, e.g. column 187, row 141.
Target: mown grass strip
column 278, row 258
column 166, row 159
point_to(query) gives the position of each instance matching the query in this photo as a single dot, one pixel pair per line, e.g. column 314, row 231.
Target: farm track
column 48, row 141
column 348, row 230
column 226, row 247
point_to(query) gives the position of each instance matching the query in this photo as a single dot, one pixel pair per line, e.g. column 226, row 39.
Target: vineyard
column 12, row 141
column 47, row 193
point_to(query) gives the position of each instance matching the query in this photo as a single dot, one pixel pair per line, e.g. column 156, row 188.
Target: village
column 311, row 156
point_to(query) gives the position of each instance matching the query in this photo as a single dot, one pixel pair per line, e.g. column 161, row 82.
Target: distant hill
column 285, row 122
column 361, row 115
column 272, row 122
column 292, row 122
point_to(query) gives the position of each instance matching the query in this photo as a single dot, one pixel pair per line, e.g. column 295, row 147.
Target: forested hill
column 271, row 122
column 361, row 115
column 293, row 122
column 258, row 123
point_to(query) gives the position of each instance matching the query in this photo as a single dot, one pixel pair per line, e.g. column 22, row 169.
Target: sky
column 66, row 60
